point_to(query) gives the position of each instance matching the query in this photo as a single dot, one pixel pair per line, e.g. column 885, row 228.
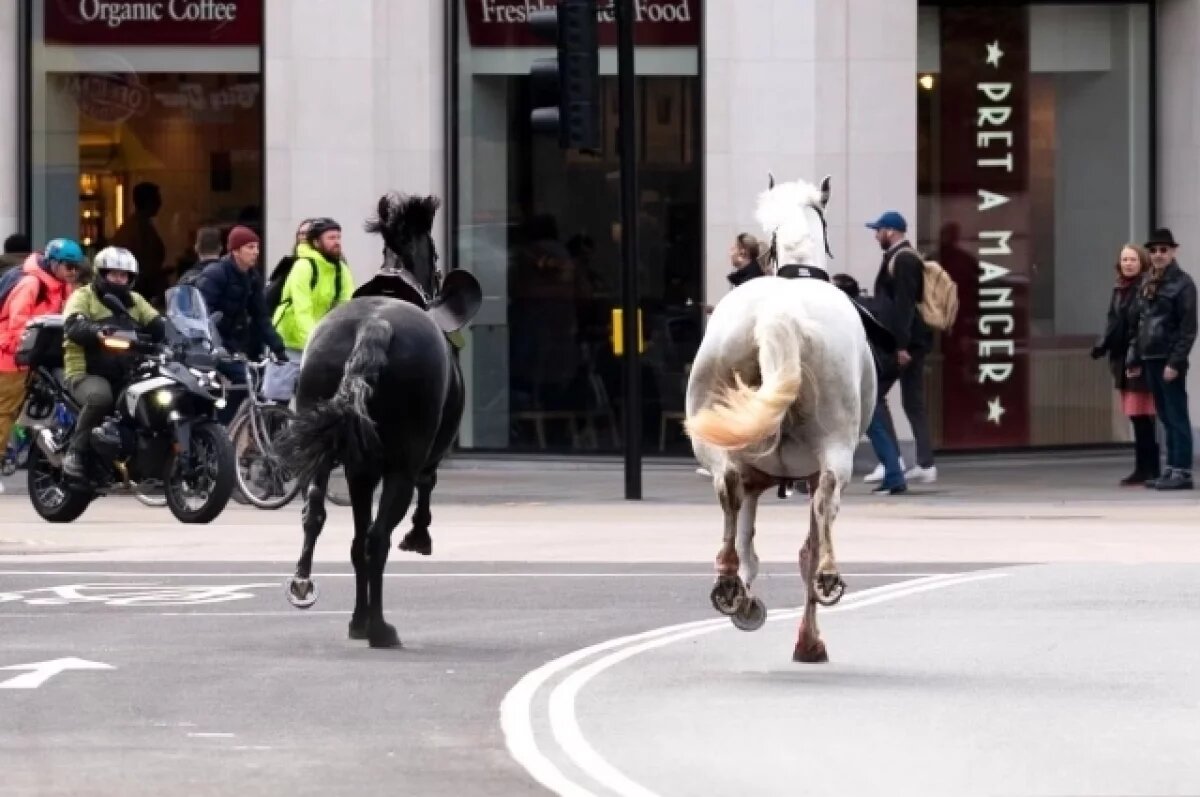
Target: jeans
column 884, row 444
column 912, row 387
column 1171, row 403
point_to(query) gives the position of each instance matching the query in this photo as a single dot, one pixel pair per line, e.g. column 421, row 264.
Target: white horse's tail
column 743, row 415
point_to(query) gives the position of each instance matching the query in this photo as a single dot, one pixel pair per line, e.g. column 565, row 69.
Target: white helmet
column 115, row 258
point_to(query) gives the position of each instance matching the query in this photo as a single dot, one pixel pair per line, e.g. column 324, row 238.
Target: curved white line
column 516, row 710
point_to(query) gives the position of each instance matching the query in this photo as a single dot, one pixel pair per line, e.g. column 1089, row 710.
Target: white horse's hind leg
column 826, row 502
column 809, row 647
column 728, row 591
column 747, row 556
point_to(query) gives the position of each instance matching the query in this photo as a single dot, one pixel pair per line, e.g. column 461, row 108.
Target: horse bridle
column 773, row 252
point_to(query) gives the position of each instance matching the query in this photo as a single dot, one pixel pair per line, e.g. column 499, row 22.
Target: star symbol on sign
column 995, row 410
column 994, row 53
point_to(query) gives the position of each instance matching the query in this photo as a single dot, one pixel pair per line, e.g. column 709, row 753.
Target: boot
column 1145, row 447
column 73, row 463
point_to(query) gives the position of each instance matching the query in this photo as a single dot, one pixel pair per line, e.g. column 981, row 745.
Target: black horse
column 381, row 392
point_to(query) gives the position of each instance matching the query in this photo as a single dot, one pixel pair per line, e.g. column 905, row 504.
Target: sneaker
column 1152, row 484
column 893, row 490
column 921, row 475
column 877, row 474
column 1177, row 480
column 704, row 472
column 73, row 464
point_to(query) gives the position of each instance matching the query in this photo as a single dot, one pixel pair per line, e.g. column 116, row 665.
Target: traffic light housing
column 566, row 89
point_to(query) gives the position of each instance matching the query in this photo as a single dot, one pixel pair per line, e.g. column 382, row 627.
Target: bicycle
column 262, row 477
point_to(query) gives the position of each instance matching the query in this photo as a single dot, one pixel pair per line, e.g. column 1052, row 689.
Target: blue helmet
column 64, row 250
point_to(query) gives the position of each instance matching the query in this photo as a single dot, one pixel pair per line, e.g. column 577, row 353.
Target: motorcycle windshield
column 188, row 314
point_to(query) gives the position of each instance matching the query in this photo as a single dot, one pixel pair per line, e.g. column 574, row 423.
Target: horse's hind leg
column 751, row 614
column 826, row 502
column 301, row 591
column 393, row 505
column 362, row 491
column 729, row 590
column 418, row 539
column 809, row 647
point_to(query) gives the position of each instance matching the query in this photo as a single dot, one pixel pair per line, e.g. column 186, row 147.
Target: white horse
column 782, row 387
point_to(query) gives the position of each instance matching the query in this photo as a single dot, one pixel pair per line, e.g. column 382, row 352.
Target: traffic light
column 566, row 89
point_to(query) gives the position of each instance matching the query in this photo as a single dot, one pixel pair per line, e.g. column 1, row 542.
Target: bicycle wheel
column 262, row 477
column 338, row 493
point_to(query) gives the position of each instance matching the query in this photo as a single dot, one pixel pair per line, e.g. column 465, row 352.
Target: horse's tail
column 743, row 416
column 341, row 428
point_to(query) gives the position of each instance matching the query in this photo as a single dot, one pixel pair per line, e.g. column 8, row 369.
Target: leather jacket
column 1166, row 327
column 1119, row 333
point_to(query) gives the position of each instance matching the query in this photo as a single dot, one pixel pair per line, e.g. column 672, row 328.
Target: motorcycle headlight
column 163, row 398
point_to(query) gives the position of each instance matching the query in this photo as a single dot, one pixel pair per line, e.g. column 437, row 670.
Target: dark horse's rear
column 379, row 390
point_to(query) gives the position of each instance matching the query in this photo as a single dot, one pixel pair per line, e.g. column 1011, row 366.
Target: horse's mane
column 400, row 216
column 780, row 212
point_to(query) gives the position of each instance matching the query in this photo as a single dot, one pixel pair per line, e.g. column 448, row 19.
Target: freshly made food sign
column 505, row 23
column 230, row 22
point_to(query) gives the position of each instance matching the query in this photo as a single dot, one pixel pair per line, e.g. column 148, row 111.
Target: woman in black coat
column 1136, row 399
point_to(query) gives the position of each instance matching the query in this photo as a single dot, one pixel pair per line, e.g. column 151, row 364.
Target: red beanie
column 239, row 236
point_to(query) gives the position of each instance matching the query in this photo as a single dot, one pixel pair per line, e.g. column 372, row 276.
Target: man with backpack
column 901, row 281
column 317, row 281
column 39, row 287
column 208, row 251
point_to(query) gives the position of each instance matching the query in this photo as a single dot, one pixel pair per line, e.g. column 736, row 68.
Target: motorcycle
column 163, row 428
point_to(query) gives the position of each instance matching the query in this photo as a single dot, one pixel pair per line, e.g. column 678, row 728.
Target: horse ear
column 825, row 190
column 770, row 181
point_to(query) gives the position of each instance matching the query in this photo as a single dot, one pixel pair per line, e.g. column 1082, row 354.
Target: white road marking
column 516, row 710
column 316, row 575
column 211, row 735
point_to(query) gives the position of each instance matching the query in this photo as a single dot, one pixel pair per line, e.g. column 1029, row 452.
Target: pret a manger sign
column 504, row 23
column 233, row 22
column 985, row 192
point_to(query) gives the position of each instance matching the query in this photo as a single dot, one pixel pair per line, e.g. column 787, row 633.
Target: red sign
column 657, row 23
column 986, row 244
column 170, row 22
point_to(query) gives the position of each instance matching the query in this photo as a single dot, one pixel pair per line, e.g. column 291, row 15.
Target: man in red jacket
column 46, row 281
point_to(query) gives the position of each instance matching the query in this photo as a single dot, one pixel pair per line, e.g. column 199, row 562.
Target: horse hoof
column 728, row 594
column 417, row 542
column 750, row 616
column 301, row 592
column 383, row 635
column 810, row 653
column 829, row 589
column 358, row 629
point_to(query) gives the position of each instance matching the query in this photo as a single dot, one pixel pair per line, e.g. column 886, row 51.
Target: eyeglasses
column 1159, row 250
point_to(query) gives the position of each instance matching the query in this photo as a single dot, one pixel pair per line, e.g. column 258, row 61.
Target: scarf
column 1154, row 278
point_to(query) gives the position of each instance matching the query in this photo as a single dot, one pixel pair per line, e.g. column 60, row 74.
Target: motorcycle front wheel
column 198, row 489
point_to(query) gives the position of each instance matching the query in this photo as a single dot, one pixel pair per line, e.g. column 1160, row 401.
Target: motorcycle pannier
column 41, row 343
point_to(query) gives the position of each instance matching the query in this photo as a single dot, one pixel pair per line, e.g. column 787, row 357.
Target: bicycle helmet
column 64, row 250
column 320, row 226
column 115, row 258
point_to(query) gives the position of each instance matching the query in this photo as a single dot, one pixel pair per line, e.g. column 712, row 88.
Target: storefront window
column 147, row 124
column 540, row 229
column 1034, row 153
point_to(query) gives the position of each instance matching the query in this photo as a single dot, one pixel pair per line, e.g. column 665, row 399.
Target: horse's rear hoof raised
column 750, row 616
column 301, row 592
column 829, row 588
column 417, row 541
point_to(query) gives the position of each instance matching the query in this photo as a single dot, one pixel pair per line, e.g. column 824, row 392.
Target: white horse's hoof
column 829, row 589
column 751, row 615
column 301, row 592
column 728, row 594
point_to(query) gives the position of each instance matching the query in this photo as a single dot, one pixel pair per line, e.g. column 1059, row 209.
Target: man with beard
column 94, row 376
column 319, row 281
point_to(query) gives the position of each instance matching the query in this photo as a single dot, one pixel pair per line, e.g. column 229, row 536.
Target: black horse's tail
column 341, row 428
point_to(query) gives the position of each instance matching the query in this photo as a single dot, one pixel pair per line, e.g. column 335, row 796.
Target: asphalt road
column 218, row 686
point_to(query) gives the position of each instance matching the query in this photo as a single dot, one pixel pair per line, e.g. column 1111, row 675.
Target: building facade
column 1025, row 143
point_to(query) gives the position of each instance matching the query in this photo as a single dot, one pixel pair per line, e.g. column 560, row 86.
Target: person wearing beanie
column 232, row 286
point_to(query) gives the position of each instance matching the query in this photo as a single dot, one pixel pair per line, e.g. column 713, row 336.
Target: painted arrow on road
column 42, row 671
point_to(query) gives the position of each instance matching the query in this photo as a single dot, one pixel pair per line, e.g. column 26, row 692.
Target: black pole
column 627, row 120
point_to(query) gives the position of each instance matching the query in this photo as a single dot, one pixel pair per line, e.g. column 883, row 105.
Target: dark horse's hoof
column 810, row 652
column 383, row 635
column 417, row 541
column 358, row 628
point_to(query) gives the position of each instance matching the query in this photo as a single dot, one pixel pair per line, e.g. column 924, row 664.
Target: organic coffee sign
column 986, row 243
column 657, row 23
column 148, row 22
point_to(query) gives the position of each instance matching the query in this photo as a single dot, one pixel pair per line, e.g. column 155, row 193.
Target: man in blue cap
column 901, row 280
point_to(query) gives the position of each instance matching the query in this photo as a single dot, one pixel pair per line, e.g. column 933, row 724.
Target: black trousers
column 95, row 396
